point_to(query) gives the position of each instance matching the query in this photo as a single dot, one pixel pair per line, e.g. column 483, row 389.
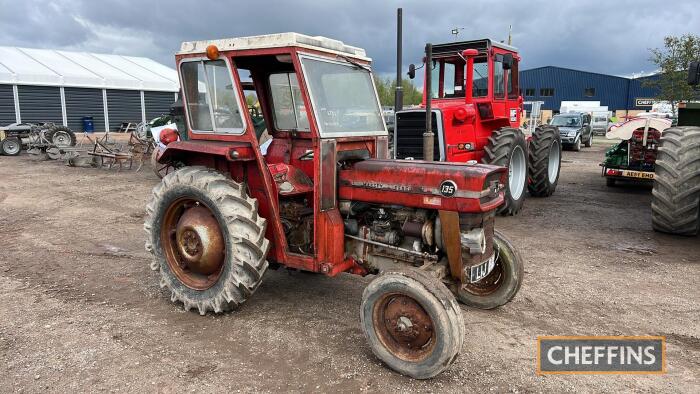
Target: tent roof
column 47, row 67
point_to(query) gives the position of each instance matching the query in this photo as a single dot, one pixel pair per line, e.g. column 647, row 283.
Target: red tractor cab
column 320, row 195
column 476, row 107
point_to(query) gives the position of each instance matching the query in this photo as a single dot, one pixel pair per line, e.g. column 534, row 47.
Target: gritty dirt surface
column 81, row 310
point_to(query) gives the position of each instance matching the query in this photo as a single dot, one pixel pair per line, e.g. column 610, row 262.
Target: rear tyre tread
column 497, row 152
column 243, row 229
column 675, row 203
column 540, row 144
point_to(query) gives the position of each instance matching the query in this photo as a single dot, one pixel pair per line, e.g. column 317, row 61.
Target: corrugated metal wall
column 40, row 104
column 123, row 106
column 7, row 105
column 570, row 85
column 157, row 103
column 84, row 102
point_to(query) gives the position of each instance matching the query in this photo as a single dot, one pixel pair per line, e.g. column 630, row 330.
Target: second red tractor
column 476, row 107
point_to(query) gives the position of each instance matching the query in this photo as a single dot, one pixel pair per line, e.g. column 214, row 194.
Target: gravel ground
column 81, row 310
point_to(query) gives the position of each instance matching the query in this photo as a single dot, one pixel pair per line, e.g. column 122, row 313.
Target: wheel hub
column 199, row 241
column 404, row 326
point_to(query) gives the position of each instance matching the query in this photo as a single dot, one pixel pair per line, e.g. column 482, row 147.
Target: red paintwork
column 474, row 129
column 415, row 183
column 258, row 171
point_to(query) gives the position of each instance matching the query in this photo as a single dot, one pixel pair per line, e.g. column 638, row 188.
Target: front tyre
column 412, row 322
column 206, row 238
column 502, row 284
column 507, row 148
column 545, row 161
column 11, row 146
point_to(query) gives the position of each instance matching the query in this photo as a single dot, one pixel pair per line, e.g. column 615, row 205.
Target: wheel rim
column 193, row 243
column 11, row 147
column 490, row 283
column 553, row 165
column 404, row 327
column 516, row 173
column 61, row 138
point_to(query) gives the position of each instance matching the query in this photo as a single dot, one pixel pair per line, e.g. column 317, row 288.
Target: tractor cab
column 283, row 108
column 475, row 105
column 474, row 90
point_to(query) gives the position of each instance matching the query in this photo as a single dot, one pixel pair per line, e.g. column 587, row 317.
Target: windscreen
column 343, row 97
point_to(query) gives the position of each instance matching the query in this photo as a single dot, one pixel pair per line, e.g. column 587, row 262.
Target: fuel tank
column 459, row 187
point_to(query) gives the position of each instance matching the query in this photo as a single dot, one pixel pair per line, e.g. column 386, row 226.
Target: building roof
column 276, row 41
column 47, row 67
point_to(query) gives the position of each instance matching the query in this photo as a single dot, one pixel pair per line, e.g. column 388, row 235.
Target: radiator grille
column 408, row 137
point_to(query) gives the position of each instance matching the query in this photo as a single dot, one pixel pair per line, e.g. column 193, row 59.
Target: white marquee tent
column 41, row 85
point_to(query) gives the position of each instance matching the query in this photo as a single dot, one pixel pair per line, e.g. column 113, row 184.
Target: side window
column 480, row 87
column 498, row 77
column 212, row 102
column 288, row 105
column 513, row 86
column 448, row 80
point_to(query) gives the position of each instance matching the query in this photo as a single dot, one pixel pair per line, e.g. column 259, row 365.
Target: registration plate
column 638, row 174
column 479, row 272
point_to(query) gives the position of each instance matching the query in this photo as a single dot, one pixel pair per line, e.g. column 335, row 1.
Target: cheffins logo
column 601, row 355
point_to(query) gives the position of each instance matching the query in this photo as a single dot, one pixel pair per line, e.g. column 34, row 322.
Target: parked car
column 574, row 129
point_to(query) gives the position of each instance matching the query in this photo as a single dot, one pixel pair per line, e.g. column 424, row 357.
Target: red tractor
column 321, row 196
column 475, row 111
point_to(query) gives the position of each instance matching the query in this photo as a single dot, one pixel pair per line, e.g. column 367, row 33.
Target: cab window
column 480, row 86
column 498, row 77
column 212, row 102
column 288, row 106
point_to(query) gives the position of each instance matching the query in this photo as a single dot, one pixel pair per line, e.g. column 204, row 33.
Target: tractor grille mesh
column 408, row 135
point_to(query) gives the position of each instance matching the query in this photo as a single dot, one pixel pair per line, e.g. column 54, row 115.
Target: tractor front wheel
column 412, row 322
column 502, row 284
column 545, row 161
column 11, row 146
column 675, row 197
column 507, row 148
column 206, row 238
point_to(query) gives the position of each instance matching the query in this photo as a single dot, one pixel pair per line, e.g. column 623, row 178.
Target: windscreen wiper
column 354, row 63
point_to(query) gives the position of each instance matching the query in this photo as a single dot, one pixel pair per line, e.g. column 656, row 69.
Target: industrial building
column 39, row 85
column 552, row 85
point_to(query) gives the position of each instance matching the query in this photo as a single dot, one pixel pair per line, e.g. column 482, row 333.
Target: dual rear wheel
column 535, row 168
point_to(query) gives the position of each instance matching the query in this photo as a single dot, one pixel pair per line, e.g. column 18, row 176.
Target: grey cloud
column 600, row 36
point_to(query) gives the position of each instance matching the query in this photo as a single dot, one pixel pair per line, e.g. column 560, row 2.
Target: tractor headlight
column 571, row 134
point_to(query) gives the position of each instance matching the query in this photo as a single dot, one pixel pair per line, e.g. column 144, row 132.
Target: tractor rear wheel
column 412, row 322
column 502, row 284
column 11, row 146
column 507, row 148
column 545, row 161
column 61, row 136
column 206, row 238
column 675, row 201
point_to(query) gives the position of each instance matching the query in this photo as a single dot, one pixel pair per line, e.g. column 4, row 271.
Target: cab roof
column 278, row 40
column 480, row 45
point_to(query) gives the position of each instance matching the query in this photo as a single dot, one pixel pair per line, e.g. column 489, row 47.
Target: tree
column 386, row 89
column 673, row 60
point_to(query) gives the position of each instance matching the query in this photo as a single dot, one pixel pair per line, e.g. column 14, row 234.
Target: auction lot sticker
column 601, row 355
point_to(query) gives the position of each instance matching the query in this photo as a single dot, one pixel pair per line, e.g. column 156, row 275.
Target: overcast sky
column 601, row 36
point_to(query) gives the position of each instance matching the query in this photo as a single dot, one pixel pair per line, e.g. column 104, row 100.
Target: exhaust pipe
column 428, row 136
column 398, row 98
